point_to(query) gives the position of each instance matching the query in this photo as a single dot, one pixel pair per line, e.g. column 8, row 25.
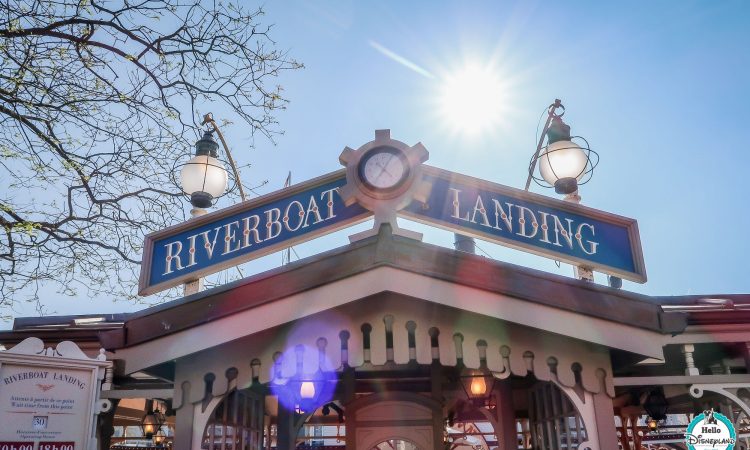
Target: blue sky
column 659, row 89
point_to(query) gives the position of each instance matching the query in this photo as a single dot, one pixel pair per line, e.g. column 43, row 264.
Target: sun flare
column 472, row 100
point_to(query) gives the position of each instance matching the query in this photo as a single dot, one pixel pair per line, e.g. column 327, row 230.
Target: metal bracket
column 728, row 390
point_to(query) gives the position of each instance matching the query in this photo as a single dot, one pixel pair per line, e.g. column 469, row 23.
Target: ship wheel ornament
column 384, row 176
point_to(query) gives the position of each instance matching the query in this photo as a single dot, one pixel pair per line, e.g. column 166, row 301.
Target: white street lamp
column 204, row 178
column 563, row 164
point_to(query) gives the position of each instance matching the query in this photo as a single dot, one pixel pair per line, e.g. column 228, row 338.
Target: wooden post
column 506, row 415
column 286, row 433
column 604, row 412
column 183, row 426
column 106, row 425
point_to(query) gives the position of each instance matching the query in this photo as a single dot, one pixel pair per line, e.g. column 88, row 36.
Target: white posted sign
column 49, row 397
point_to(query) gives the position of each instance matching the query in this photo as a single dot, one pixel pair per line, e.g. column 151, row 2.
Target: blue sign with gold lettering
column 511, row 217
column 530, row 222
column 245, row 231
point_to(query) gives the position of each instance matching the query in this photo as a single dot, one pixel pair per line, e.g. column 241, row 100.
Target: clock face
column 384, row 168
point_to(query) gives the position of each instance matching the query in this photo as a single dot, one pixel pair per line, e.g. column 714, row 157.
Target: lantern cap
column 207, row 146
column 558, row 131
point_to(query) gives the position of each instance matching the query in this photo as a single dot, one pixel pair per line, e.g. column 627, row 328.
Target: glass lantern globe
column 308, row 395
column 307, row 390
column 562, row 164
column 149, row 426
column 203, row 178
column 152, row 422
column 159, row 437
column 478, row 385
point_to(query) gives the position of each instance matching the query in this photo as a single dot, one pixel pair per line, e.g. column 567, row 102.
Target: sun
column 472, row 100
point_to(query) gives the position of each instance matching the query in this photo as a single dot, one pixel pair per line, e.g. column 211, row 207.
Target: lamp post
column 563, row 165
column 203, row 179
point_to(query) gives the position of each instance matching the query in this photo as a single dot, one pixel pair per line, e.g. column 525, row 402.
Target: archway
column 396, row 444
column 407, row 420
column 236, row 422
column 554, row 419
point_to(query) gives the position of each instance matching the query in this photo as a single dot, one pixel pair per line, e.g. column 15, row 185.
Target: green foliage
column 29, row 228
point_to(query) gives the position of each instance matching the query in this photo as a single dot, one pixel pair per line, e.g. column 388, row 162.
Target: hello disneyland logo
column 710, row 430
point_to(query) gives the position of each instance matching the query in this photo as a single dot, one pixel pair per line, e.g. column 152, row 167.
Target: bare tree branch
column 97, row 103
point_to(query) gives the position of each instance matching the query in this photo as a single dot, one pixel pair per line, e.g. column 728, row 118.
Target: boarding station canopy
column 388, row 324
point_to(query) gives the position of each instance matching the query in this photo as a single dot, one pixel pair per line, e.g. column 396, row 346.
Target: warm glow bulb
column 478, row 386
column 562, row 159
column 307, row 390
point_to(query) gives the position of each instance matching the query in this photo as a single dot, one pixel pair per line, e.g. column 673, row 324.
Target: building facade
column 392, row 343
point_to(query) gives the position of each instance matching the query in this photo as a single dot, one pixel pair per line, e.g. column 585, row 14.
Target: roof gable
column 387, row 250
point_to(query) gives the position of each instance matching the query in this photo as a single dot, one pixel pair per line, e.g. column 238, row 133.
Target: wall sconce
column 152, row 420
column 478, row 384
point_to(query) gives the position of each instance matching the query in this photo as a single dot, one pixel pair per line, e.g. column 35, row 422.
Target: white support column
column 688, row 350
column 108, row 379
column 183, row 437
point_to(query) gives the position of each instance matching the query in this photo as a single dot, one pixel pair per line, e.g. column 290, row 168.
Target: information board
column 48, row 396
